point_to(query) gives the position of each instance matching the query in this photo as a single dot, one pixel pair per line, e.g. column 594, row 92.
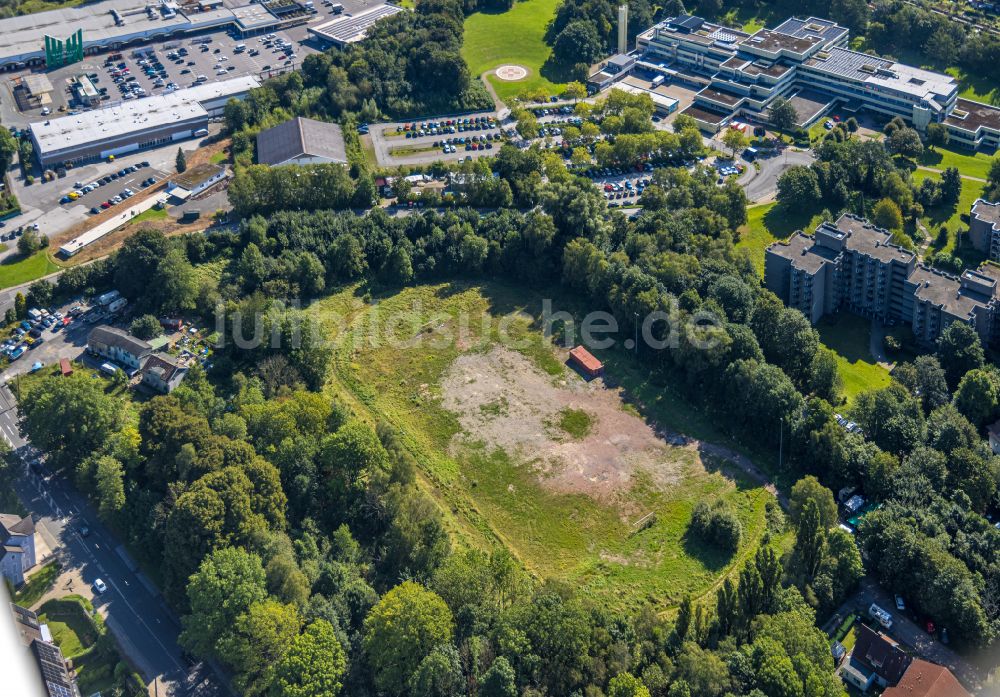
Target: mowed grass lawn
column 848, row 336
column 770, row 222
column 968, row 163
column 951, row 218
column 490, row 497
column 515, row 37
column 15, row 269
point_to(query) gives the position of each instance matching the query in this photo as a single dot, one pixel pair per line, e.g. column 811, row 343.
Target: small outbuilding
column 585, row 361
column 66, row 367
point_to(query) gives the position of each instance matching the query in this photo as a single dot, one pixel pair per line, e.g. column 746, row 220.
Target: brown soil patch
column 502, row 400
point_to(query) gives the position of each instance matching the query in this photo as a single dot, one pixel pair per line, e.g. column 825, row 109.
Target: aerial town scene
column 499, row 348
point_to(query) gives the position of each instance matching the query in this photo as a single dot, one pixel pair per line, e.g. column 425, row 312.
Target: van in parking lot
column 240, row 48
column 201, row 78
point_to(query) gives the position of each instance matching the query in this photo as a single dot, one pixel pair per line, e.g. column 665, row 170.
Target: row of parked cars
column 476, row 142
column 82, row 189
column 433, row 128
column 546, row 111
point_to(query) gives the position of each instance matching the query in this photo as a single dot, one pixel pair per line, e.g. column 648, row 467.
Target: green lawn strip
column 150, row 215
column 38, row 584
column 489, row 497
column 978, row 89
column 413, row 149
column 848, row 336
column 15, row 270
column 770, row 222
column 968, row 163
column 514, row 37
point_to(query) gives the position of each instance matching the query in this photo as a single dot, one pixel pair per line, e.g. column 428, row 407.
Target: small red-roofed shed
column 585, row 361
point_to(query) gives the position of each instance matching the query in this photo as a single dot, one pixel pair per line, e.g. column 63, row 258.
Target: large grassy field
column 492, row 495
column 513, row 37
column 15, row 270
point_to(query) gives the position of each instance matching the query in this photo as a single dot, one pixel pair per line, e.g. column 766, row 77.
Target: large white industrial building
column 115, row 24
column 134, row 125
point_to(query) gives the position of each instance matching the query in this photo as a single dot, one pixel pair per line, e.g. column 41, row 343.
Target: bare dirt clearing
column 502, row 400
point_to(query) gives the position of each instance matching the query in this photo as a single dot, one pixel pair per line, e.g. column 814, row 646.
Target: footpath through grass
column 15, row 269
column 515, row 37
column 951, row 218
column 491, row 497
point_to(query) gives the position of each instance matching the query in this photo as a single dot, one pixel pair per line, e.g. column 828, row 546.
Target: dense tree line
column 409, row 64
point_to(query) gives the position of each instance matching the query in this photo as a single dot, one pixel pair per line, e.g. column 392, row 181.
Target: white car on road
column 100, row 586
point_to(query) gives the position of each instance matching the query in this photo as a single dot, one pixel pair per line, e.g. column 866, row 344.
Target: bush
column 718, row 525
column 145, row 327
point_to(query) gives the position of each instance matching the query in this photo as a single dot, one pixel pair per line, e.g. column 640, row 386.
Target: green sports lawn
column 514, row 37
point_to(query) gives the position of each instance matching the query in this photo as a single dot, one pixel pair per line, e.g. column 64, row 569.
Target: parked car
column 100, row 586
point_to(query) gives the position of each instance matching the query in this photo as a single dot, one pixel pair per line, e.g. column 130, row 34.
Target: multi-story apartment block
column 853, row 266
column 984, row 228
column 808, row 62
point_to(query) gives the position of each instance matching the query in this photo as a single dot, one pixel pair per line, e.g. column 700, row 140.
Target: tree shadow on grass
column 848, row 336
column 712, row 558
column 557, row 71
column 15, row 258
column 781, row 221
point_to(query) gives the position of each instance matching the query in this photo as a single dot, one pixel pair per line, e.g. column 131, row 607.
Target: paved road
column 907, row 632
column 134, row 610
column 762, row 185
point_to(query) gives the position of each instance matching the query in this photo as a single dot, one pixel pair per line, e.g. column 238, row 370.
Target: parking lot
column 45, row 342
column 114, row 188
column 218, row 60
column 41, row 205
column 423, row 142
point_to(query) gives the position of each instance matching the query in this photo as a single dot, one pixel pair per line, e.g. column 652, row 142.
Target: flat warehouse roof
column 209, row 91
column 345, row 30
column 143, row 114
column 23, row 35
column 116, row 121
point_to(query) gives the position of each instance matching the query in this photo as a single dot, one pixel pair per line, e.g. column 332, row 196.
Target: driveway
column 907, row 632
column 761, row 182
